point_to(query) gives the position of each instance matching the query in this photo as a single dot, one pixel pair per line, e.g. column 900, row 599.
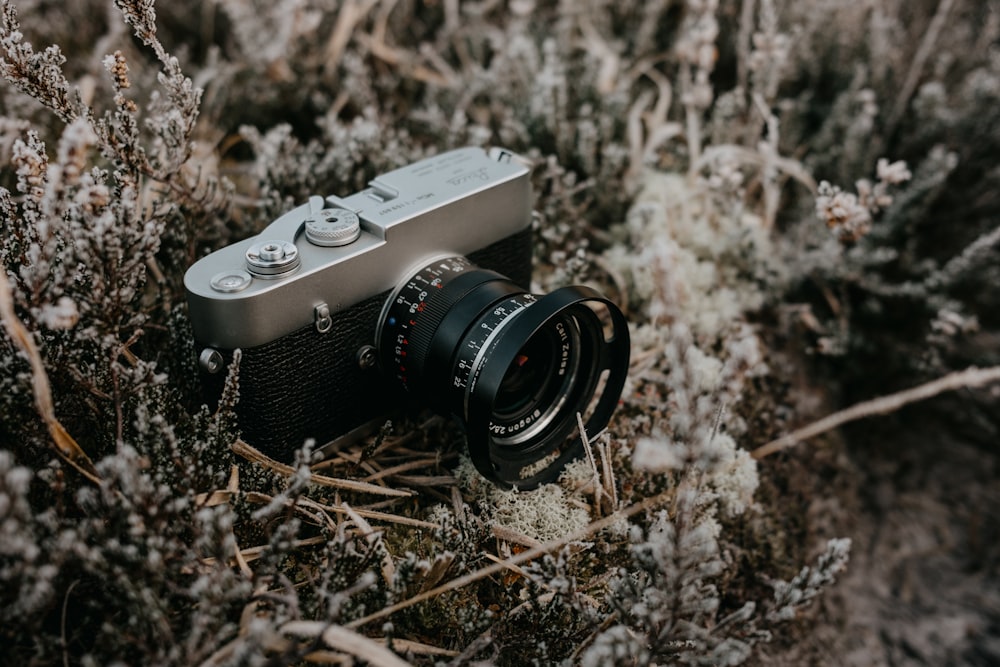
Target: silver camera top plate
column 453, row 203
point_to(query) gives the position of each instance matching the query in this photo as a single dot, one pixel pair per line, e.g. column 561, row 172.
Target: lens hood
column 606, row 356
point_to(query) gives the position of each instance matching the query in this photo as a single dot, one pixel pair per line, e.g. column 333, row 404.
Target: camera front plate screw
column 367, row 357
column 211, row 360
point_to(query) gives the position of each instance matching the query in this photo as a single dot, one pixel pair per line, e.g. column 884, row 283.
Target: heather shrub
column 759, row 185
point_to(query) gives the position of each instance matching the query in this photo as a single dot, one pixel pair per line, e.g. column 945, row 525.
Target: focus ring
column 452, row 332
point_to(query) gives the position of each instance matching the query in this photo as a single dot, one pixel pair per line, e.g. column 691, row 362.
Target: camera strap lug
column 322, row 318
column 211, row 360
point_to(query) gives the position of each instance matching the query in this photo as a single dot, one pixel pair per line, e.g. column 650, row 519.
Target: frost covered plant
column 700, row 388
column 868, row 257
column 926, row 93
column 697, row 54
column 790, row 596
column 87, row 224
column 770, row 49
column 699, row 263
column 849, row 216
column 125, row 548
column 668, row 603
column 541, row 516
column 702, row 265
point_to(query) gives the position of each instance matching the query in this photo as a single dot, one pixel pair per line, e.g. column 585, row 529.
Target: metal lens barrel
column 517, row 369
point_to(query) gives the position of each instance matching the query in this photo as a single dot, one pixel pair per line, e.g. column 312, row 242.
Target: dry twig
column 967, row 379
column 256, row 456
column 65, row 445
column 346, row 640
column 517, row 559
column 351, row 14
column 917, row 64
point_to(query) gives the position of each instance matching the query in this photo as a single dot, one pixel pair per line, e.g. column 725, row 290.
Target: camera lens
column 535, row 388
column 514, row 367
column 528, row 383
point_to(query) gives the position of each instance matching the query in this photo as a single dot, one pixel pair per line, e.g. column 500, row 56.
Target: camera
column 409, row 294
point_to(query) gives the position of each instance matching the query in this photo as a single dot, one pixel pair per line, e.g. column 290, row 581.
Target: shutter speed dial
column 333, row 227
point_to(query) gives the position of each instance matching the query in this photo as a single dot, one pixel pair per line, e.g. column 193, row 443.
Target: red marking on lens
column 521, row 360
